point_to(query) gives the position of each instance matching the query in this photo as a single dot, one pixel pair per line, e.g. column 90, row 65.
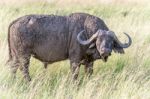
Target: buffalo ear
column 92, row 45
column 117, row 48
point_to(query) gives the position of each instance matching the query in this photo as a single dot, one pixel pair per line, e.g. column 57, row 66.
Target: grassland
column 122, row 77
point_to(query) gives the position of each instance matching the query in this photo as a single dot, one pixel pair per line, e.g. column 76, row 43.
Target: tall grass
column 122, row 77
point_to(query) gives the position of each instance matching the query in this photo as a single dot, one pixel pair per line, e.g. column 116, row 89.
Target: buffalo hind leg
column 89, row 69
column 25, row 61
column 14, row 64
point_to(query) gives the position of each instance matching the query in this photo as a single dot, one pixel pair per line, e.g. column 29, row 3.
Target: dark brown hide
column 52, row 38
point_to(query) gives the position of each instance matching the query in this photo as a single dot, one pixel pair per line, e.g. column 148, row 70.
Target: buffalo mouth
column 104, row 58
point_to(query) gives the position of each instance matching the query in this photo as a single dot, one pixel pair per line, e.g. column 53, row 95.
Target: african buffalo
column 82, row 38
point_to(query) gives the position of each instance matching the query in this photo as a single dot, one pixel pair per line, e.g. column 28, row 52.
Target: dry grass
column 77, row 2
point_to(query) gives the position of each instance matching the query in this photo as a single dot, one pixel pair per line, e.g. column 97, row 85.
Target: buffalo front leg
column 25, row 67
column 89, row 69
column 75, row 67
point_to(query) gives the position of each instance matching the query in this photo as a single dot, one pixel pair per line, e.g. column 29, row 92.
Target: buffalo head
column 105, row 42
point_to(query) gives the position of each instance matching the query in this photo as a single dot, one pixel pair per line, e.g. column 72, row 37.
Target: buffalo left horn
column 125, row 45
column 88, row 41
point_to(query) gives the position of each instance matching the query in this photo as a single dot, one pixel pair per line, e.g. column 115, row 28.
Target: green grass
column 122, row 77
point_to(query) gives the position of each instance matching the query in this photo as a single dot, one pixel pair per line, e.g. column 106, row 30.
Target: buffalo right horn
column 88, row 41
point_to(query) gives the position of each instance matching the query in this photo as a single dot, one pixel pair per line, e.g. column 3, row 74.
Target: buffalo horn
column 88, row 41
column 125, row 45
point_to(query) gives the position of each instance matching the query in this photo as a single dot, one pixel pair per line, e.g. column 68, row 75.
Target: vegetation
column 122, row 77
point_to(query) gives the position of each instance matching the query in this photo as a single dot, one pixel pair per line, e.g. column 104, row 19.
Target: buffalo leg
column 14, row 64
column 89, row 69
column 75, row 67
column 25, row 67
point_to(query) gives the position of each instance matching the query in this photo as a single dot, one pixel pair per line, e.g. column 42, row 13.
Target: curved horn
column 88, row 41
column 126, row 45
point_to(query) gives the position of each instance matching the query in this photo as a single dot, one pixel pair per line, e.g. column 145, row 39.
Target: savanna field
column 124, row 76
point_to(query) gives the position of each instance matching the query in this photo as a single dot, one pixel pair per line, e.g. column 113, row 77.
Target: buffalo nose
column 105, row 51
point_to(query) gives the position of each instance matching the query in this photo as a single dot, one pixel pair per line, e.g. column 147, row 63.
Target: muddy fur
column 52, row 38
